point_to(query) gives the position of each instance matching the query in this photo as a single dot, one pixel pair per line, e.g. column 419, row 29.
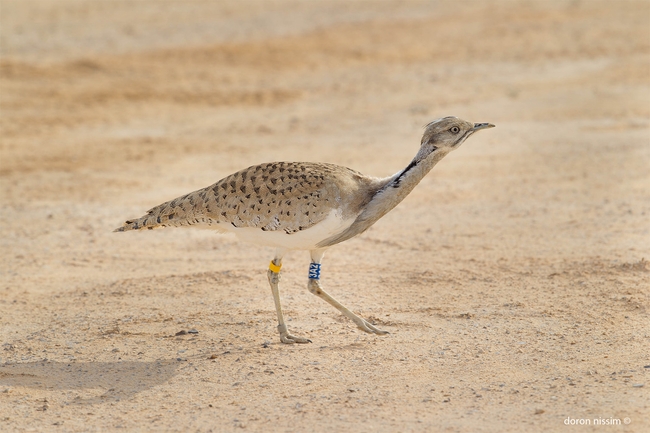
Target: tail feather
column 187, row 210
column 166, row 214
column 149, row 221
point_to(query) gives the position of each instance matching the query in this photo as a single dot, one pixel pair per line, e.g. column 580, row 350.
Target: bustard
column 305, row 206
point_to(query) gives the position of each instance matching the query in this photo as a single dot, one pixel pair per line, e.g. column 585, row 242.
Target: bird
column 306, row 206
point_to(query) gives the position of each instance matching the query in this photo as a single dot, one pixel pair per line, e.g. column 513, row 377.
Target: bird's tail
column 149, row 221
column 187, row 210
column 164, row 215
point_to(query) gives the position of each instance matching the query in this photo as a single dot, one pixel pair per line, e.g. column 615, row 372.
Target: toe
column 286, row 339
column 370, row 328
column 290, row 339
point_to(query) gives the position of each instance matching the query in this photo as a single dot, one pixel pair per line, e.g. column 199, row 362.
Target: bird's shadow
column 119, row 380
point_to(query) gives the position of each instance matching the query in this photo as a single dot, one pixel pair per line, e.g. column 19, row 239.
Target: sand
column 514, row 280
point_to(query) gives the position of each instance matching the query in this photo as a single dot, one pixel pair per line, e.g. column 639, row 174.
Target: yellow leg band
column 275, row 268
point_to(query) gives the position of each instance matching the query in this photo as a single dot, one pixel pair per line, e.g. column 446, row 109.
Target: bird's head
column 448, row 133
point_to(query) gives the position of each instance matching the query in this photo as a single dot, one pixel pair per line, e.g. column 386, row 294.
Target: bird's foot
column 368, row 327
column 287, row 338
column 291, row 339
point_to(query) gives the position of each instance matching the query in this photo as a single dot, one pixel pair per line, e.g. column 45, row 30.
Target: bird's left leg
column 314, row 287
column 274, row 279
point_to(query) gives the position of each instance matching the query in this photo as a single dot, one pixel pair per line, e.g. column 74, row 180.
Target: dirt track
column 514, row 280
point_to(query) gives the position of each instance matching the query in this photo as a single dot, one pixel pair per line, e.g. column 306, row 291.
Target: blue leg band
column 314, row 271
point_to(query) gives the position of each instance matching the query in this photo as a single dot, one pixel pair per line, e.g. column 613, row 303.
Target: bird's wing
column 273, row 196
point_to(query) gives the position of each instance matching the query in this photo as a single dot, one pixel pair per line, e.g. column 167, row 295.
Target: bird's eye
column 455, row 129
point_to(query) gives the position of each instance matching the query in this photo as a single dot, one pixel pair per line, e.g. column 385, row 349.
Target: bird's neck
column 390, row 192
column 398, row 186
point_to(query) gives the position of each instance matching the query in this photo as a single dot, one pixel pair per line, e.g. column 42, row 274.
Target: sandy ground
column 514, row 280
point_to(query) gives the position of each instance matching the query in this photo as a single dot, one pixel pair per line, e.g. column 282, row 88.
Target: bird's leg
column 274, row 278
column 314, row 287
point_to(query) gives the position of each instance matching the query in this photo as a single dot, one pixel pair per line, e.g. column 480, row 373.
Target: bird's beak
column 478, row 126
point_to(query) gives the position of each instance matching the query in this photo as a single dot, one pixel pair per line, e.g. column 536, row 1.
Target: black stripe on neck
column 398, row 180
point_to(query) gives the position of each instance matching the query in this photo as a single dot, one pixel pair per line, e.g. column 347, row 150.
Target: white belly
column 302, row 240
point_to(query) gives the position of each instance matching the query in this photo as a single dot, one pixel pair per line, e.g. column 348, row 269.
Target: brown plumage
column 284, row 196
column 305, row 206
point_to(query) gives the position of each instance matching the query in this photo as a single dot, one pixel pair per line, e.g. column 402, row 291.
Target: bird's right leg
column 314, row 287
column 274, row 279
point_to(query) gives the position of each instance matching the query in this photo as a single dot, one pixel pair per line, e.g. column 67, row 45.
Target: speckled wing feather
column 273, row 196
